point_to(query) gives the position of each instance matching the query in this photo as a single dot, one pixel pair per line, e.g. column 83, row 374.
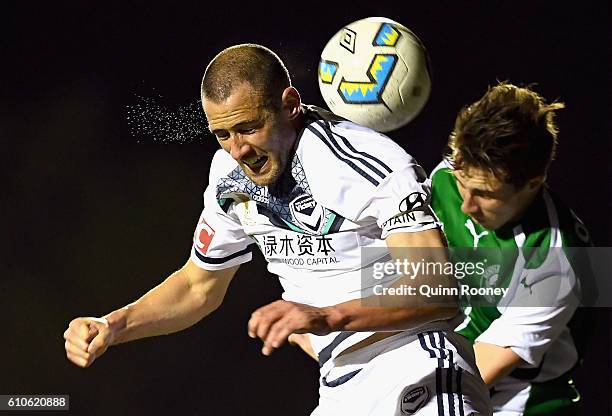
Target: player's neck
column 524, row 208
column 298, row 123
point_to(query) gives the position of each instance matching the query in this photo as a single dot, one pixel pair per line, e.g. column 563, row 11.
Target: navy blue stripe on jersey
column 439, row 342
column 436, row 348
column 220, row 260
column 336, row 224
column 348, row 144
column 334, row 142
column 449, row 384
column 459, row 393
column 421, row 337
column 340, row 380
column 326, row 352
column 439, row 400
column 441, row 356
column 436, row 352
column 446, row 374
column 347, row 161
column 408, row 226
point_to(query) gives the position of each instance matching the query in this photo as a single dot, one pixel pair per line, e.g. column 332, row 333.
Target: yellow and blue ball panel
column 387, row 35
column 379, row 72
column 327, row 71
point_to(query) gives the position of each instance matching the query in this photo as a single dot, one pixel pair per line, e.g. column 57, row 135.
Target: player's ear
column 291, row 102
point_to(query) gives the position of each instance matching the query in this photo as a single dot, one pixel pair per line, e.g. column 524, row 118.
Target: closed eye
column 221, row 135
column 246, row 128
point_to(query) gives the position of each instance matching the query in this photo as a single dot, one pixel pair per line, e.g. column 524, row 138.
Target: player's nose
column 238, row 148
column 469, row 206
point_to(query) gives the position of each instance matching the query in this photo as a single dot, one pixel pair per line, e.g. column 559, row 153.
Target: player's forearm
column 392, row 311
column 352, row 316
column 495, row 362
column 171, row 306
column 403, row 306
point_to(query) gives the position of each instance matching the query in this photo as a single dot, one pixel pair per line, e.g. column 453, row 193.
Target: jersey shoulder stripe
column 350, row 161
column 221, row 260
column 329, row 130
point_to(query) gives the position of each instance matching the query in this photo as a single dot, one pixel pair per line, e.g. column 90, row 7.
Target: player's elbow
column 206, row 289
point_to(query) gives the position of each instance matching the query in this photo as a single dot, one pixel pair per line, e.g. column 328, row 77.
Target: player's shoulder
column 225, row 176
column 338, row 144
column 573, row 230
column 549, row 224
column 442, row 169
column 442, row 178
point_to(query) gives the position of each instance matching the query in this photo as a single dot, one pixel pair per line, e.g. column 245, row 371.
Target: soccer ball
column 375, row 72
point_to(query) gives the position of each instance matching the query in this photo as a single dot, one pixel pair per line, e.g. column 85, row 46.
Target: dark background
column 92, row 217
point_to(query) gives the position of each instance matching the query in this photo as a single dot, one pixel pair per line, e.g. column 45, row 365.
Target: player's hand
column 87, row 339
column 274, row 323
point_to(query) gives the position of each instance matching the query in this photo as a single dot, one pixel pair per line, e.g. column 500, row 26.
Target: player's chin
column 488, row 223
column 479, row 220
column 263, row 177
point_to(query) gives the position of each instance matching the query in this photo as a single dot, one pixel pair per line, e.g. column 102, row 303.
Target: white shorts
column 430, row 373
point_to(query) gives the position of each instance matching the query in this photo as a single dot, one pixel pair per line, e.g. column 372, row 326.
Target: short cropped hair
column 509, row 132
column 251, row 63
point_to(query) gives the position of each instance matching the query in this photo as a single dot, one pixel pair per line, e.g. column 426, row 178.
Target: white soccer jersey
column 345, row 190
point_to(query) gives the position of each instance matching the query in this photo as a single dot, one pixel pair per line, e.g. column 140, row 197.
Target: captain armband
column 410, row 220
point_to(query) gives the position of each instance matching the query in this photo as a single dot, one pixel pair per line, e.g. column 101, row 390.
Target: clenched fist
column 87, row 339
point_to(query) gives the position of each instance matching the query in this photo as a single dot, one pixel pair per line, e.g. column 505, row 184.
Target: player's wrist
column 335, row 318
column 117, row 322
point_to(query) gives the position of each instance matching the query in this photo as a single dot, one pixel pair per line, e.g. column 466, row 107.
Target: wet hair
column 251, row 63
column 509, row 132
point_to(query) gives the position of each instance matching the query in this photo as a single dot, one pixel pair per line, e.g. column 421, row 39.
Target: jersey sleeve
column 402, row 203
column 219, row 240
column 528, row 331
column 444, row 164
column 538, row 313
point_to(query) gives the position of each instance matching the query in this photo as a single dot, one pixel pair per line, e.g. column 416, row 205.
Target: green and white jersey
column 533, row 263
